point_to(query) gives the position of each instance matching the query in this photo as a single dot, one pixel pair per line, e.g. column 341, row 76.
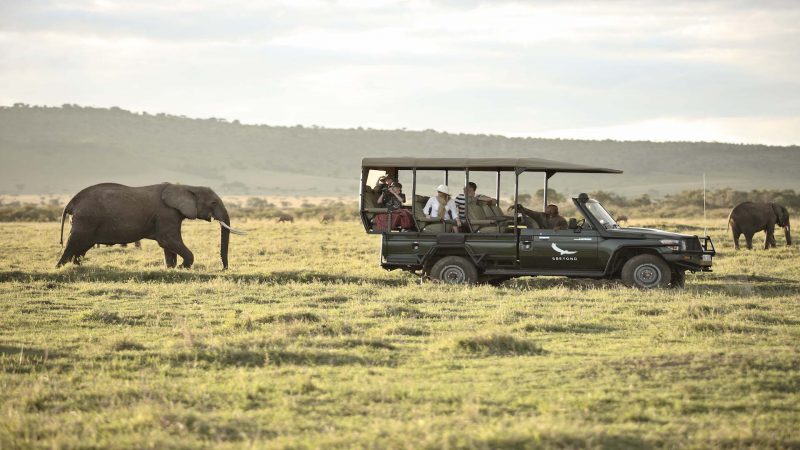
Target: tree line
column 683, row 204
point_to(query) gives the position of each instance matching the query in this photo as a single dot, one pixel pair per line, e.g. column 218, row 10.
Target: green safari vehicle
column 492, row 247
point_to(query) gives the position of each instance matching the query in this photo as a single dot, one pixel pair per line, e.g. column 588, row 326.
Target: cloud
column 707, row 69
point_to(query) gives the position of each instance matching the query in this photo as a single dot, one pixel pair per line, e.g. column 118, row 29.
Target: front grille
column 693, row 245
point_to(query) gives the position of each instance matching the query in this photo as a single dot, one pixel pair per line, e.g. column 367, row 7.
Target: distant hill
column 56, row 150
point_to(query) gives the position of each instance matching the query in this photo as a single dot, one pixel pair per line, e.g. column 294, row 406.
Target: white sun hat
column 443, row 189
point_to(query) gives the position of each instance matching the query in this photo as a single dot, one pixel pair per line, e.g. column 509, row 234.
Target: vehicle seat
column 477, row 217
column 371, row 207
column 432, row 225
column 497, row 213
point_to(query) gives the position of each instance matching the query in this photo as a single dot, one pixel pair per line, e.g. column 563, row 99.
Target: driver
column 549, row 219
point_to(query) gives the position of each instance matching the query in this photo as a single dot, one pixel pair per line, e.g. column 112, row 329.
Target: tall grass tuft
column 499, row 345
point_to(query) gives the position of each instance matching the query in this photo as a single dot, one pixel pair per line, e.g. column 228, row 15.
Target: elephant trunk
column 225, row 235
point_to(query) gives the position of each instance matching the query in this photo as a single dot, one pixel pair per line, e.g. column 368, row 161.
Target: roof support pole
column 497, row 189
column 544, row 208
column 516, row 212
column 414, row 198
column 547, row 176
column 446, row 176
column 466, row 198
column 361, row 189
column 516, row 199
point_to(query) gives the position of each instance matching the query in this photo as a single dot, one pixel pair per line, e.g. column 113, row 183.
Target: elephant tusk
column 232, row 230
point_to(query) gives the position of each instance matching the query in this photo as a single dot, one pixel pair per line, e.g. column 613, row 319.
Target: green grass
column 306, row 342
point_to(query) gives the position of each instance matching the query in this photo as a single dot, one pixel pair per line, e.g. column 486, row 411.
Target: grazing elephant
column 285, row 218
column 748, row 218
column 327, row 218
column 111, row 213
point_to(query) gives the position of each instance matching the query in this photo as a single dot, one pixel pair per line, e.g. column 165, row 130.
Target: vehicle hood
column 647, row 233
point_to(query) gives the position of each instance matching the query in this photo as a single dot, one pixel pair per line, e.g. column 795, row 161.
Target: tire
column 646, row 272
column 454, row 270
column 678, row 279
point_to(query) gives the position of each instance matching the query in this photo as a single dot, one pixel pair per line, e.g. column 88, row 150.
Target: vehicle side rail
column 546, row 272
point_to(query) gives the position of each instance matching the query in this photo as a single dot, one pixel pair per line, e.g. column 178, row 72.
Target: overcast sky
column 718, row 71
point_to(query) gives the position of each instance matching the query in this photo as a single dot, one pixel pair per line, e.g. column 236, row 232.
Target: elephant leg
column 748, row 237
column 170, row 258
column 186, row 254
column 137, row 244
column 771, row 237
column 736, row 235
column 77, row 246
column 177, row 246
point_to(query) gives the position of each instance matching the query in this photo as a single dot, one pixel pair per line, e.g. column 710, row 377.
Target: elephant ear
column 180, row 198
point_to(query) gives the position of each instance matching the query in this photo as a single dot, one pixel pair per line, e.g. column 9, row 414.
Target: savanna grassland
column 306, row 342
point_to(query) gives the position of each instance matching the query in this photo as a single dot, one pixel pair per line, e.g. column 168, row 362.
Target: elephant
column 748, row 218
column 111, row 213
column 285, row 218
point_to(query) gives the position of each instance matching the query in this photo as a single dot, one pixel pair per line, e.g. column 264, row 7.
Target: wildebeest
column 285, row 218
column 622, row 218
column 327, row 218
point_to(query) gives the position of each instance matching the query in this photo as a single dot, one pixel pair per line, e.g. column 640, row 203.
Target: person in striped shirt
column 461, row 202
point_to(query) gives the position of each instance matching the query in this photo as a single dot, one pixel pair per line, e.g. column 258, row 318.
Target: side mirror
column 573, row 224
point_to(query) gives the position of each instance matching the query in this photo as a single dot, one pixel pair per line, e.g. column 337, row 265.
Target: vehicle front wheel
column 678, row 279
column 454, row 270
column 646, row 272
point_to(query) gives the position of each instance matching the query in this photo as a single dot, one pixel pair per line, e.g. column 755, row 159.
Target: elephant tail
column 67, row 210
column 729, row 221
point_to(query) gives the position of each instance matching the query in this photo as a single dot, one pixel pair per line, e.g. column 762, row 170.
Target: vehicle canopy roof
column 483, row 164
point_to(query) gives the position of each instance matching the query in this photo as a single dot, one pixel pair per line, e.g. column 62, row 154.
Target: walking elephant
column 749, row 218
column 111, row 213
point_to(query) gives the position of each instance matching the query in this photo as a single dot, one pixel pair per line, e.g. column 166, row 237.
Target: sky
column 722, row 71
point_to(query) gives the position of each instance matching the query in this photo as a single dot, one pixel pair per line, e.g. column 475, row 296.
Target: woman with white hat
column 442, row 205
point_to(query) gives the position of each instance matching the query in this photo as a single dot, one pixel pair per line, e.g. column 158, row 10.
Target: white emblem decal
column 563, row 252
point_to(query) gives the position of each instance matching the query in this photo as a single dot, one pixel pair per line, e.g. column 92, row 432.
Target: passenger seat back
column 478, row 220
column 370, row 198
column 419, row 205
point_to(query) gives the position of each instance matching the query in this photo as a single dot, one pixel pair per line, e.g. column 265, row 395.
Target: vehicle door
column 570, row 249
column 565, row 249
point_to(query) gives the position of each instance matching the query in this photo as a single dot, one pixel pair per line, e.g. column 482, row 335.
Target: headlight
column 674, row 244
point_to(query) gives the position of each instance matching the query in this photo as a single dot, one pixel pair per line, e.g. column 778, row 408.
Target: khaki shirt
column 544, row 221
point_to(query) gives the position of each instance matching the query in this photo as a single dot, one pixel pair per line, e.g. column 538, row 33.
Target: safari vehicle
column 498, row 247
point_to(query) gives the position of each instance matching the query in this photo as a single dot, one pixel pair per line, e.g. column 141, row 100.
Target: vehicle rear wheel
column 646, row 272
column 454, row 270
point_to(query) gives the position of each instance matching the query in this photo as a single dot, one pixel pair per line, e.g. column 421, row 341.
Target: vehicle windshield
column 600, row 213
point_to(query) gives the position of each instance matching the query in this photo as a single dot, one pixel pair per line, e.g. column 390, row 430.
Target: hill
column 55, row 150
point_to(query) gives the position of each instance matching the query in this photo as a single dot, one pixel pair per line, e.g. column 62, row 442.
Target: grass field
column 306, row 342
